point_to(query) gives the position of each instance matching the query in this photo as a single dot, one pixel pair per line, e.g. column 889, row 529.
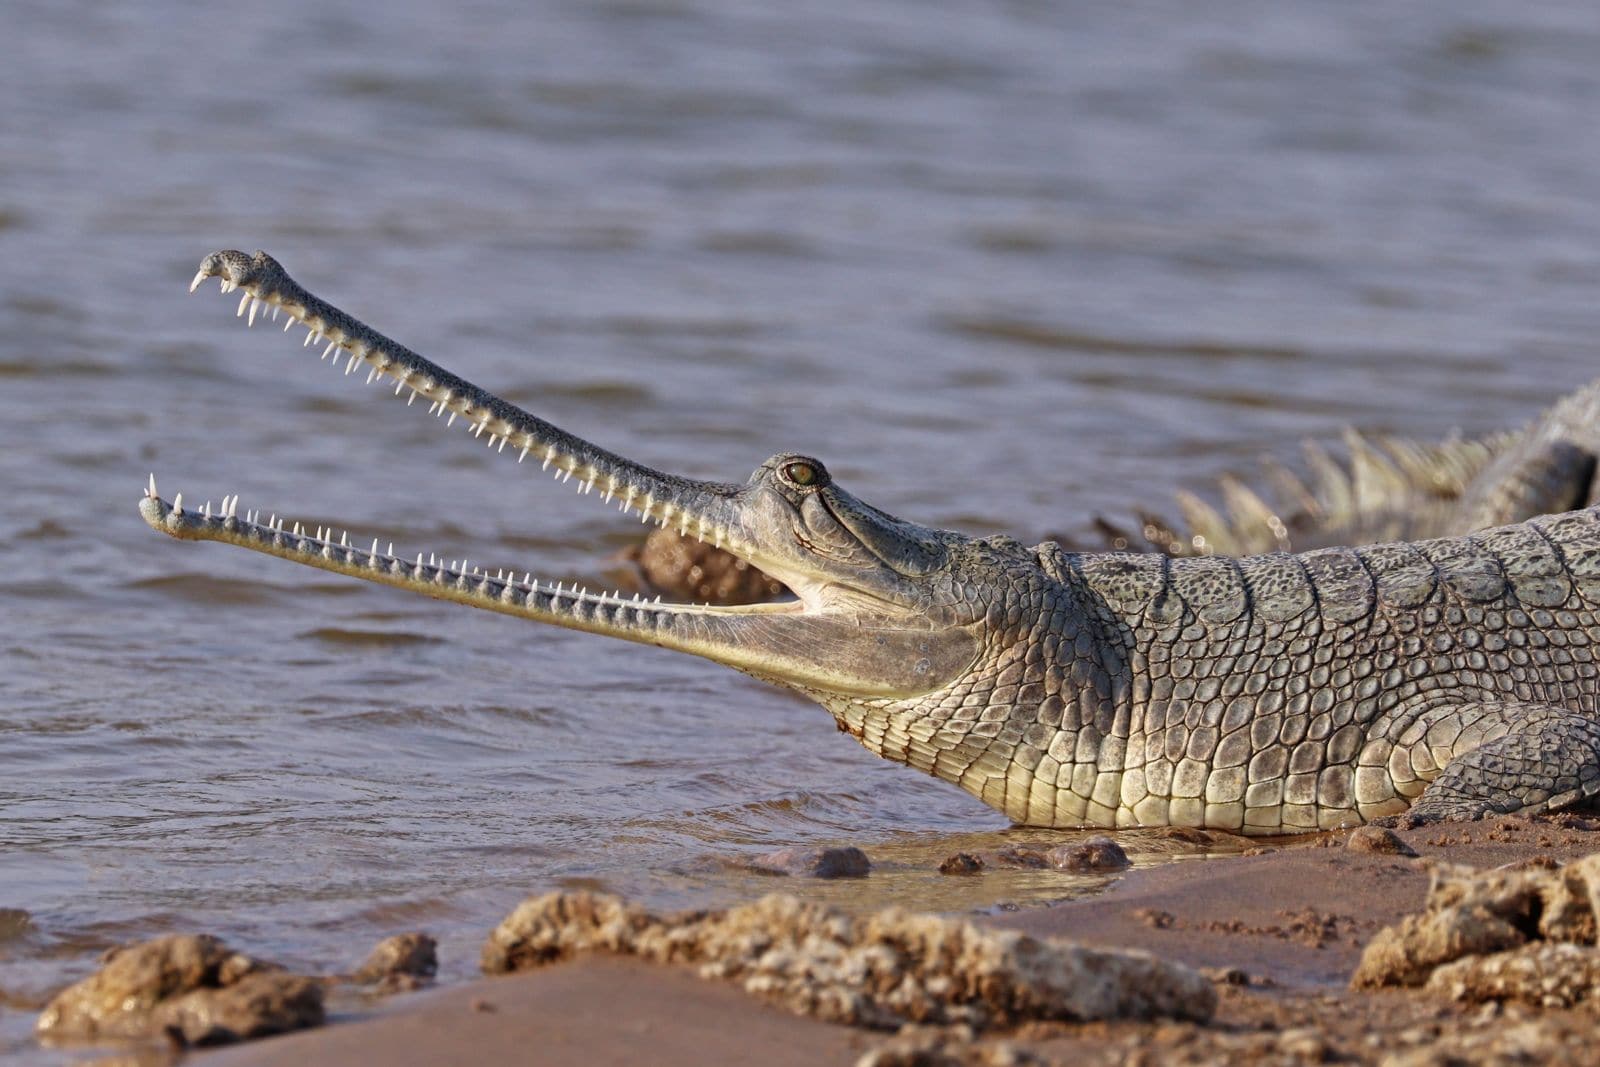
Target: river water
column 1003, row 266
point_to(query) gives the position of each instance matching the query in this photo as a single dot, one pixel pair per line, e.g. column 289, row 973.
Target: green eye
column 801, row 473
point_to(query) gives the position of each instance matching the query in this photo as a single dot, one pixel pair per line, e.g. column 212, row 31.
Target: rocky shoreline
column 1470, row 943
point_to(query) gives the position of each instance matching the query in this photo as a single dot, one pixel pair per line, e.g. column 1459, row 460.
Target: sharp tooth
column 502, row 447
column 177, row 504
column 152, row 483
column 348, row 367
column 399, row 384
column 274, row 312
column 205, row 509
column 588, row 486
column 310, row 335
column 548, row 456
column 451, row 421
column 524, row 454
column 344, row 539
column 566, row 476
column 199, row 277
column 412, row 399
column 373, row 373
column 326, row 352
column 244, row 302
column 255, row 307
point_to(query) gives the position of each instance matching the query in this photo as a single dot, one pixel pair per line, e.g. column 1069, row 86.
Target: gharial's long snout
column 852, row 630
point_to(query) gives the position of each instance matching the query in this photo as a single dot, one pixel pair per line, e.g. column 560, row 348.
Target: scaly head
column 882, row 609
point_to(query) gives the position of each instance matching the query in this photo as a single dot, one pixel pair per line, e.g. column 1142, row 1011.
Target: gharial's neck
column 1039, row 727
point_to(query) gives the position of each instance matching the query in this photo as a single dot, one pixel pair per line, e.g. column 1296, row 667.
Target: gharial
column 1446, row 678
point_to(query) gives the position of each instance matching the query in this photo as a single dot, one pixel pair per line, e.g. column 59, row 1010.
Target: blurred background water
column 1002, row 265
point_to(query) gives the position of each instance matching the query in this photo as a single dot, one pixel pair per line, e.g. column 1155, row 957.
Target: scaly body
column 1450, row 677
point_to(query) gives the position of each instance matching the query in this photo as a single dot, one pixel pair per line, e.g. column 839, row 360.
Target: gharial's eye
column 801, row 474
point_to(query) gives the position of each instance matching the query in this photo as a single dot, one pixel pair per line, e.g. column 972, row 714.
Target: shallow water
column 1002, row 266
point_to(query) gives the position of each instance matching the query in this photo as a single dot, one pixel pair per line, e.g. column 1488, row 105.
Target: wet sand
column 1280, row 931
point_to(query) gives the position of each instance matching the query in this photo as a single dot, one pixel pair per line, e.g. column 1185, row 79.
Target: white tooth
column 152, row 483
column 255, row 306
column 412, row 399
column 588, row 486
column 373, row 373
column 344, row 539
column 477, row 431
column 326, row 352
column 548, row 456
column 451, row 421
column 610, row 489
column 199, row 276
column 566, row 476
column 318, row 340
column 525, row 576
column 374, row 546
column 310, row 334
column 274, row 520
column 205, row 509
column 298, row 530
column 244, row 302
column 399, row 384
column 502, row 447
column 391, row 549
column 348, row 367
column 524, row 454
column 177, row 504
column 275, row 313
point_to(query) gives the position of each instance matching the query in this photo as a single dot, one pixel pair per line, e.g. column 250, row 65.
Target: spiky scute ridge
column 881, row 971
column 1387, row 489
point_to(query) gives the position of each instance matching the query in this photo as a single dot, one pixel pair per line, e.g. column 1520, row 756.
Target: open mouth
column 701, row 510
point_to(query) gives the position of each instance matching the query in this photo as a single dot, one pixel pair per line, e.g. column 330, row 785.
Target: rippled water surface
column 1003, row 266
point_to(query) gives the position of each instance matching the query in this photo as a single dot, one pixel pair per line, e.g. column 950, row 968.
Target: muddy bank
column 1279, row 933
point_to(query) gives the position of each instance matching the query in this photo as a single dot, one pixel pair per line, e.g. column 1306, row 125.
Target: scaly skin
column 1261, row 695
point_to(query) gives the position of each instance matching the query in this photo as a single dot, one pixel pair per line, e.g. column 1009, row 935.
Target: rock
column 961, row 863
column 879, row 970
column 186, row 984
column 403, row 956
column 1503, row 926
column 1378, row 839
column 1544, row 974
column 847, row 862
column 1098, row 853
column 686, row 569
column 1406, row 955
column 258, row 1005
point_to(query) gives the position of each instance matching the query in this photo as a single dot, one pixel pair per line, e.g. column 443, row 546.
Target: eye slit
column 801, row 473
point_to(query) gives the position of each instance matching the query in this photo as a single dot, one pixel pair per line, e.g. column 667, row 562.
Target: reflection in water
column 1004, row 268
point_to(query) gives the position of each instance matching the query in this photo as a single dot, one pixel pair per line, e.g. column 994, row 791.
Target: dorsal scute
column 1213, row 588
column 1342, row 584
column 1575, row 536
column 1465, row 568
column 1537, row 575
column 1278, row 587
column 1405, row 577
column 1127, row 580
